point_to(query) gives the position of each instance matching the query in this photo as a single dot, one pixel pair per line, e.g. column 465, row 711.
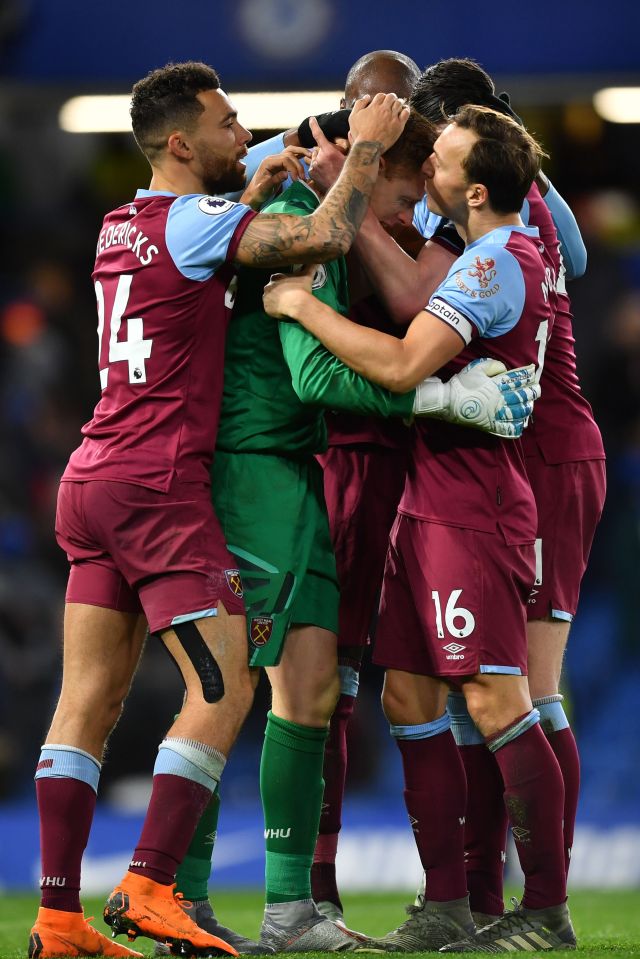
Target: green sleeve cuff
column 401, row 404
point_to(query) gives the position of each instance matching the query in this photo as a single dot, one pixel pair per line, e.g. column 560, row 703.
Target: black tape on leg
column 202, row 659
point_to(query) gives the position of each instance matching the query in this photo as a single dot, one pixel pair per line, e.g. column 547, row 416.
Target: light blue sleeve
column 425, row 222
column 574, row 253
column 198, row 233
column 483, row 293
column 255, row 157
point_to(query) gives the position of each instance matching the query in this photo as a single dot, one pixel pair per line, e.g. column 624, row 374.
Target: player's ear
column 477, row 195
column 178, row 146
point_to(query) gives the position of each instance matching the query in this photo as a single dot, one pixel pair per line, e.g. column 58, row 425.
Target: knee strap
column 202, row 659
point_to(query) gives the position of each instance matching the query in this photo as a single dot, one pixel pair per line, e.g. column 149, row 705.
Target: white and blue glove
column 484, row 396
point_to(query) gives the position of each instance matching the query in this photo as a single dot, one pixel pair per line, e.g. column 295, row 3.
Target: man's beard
column 218, row 179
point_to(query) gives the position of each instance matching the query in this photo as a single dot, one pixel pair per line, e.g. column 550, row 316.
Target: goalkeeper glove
column 484, row 395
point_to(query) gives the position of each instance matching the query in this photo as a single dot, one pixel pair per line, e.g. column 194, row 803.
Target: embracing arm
column 402, row 283
column 321, row 379
column 484, row 395
column 574, row 252
column 276, row 239
column 398, row 365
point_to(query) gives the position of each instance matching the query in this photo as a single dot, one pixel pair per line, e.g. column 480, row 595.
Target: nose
column 405, row 217
column 244, row 135
column 427, row 168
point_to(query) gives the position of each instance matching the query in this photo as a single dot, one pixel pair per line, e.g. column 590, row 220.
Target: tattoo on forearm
column 278, row 239
column 369, row 151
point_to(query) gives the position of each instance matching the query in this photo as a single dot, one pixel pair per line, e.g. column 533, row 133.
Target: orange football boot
column 61, row 934
column 141, row 907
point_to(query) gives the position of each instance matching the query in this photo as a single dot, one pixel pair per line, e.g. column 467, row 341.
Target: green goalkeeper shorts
column 274, row 519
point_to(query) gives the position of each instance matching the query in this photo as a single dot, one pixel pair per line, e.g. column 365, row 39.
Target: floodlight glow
column 256, row 111
column 96, row 114
column 618, row 104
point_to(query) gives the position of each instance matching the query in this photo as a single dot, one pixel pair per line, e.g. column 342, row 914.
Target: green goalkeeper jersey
column 278, row 378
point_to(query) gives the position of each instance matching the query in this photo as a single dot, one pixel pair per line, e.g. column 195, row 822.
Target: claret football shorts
column 453, row 602
column 136, row 550
column 362, row 488
column 569, row 499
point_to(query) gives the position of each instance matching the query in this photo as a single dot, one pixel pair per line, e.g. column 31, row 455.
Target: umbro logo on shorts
column 454, row 650
column 454, row 647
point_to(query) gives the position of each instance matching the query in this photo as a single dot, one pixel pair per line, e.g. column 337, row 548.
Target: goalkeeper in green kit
column 268, row 495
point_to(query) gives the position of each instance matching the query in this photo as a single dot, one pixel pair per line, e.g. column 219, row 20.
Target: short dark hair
column 167, row 98
column 505, row 157
column 412, row 147
column 448, row 85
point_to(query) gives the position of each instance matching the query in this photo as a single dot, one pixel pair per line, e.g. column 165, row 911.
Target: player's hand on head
column 484, row 395
column 327, row 159
column 272, row 172
column 334, row 125
column 284, row 294
column 380, row 120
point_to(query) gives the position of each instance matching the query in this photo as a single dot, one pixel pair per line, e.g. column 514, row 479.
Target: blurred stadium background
column 55, row 187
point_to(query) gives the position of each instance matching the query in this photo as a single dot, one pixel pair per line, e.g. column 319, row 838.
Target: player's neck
column 483, row 221
column 180, row 182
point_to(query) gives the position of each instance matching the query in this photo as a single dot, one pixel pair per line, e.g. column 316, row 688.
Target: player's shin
column 192, row 877
column 186, row 774
column 435, row 796
column 534, row 799
column 291, row 788
column 555, row 726
column 486, row 818
column 66, row 787
column 323, row 871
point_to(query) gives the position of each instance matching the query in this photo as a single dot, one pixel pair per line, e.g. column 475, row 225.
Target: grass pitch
column 607, row 923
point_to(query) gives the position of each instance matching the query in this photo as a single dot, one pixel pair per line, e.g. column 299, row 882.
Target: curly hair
column 167, row 98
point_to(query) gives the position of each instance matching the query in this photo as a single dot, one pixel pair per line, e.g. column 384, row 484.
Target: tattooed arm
column 278, row 239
